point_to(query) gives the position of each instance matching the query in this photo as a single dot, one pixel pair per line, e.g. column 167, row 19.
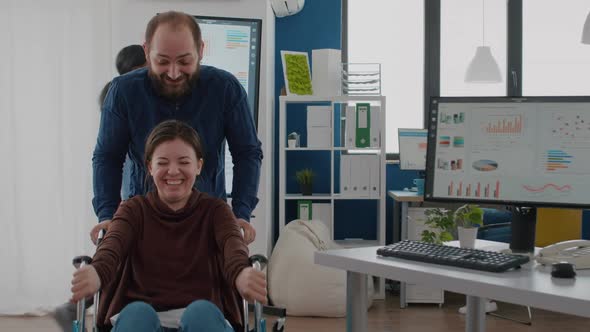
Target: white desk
column 531, row 285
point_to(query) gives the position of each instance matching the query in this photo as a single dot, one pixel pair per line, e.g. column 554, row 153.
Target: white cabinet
column 415, row 293
column 356, row 174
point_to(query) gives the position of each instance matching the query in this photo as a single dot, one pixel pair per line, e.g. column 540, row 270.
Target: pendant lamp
column 586, row 31
column 483, row 68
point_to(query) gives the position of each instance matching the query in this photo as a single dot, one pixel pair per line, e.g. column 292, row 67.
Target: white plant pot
column 292, row 143
column 467, row 236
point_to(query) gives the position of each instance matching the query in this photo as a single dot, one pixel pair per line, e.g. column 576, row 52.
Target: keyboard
column 446, row 255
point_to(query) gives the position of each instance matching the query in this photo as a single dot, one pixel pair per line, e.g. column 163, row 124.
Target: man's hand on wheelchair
column 251, row 285
column 105, row 224
column 85, row 283
column 249, row 231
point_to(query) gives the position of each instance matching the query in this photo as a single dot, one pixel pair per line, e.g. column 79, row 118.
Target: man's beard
column 172, row 93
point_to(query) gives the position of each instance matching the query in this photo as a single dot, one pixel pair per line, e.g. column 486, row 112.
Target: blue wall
column 317, row 26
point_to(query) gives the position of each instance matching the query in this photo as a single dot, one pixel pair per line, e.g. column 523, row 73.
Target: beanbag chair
column 296, row 283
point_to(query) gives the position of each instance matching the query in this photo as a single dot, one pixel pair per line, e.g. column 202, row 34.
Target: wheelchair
column 257, row 261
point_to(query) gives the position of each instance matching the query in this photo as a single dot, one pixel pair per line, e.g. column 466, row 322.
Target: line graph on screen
column 546, row 187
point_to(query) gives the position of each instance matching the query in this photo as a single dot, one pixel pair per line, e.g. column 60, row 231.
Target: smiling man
column 173, row 59
column 175, row 86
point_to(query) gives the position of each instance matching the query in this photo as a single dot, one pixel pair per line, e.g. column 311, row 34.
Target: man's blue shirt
column 217, row 108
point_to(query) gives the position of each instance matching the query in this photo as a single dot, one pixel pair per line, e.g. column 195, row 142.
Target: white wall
column 129, row 19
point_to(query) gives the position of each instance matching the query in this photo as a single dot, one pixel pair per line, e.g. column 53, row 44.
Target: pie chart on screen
column 485, row 165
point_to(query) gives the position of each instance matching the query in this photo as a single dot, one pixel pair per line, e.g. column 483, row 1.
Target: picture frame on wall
column 297, row 73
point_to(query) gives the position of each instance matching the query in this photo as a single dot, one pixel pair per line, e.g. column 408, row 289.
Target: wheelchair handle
column 260, row 259
column 258, row 262
column 79, row 325
column 101, row 235
column 80, row 261
column 257, row 305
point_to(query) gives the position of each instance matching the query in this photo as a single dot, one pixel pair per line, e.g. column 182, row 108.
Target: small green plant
column 304, row 176
column 442, row 222
column 441, row 226
column 305, row 179
column 469, row 215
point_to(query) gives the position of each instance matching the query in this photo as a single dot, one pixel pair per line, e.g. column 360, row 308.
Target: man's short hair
column 175, row 19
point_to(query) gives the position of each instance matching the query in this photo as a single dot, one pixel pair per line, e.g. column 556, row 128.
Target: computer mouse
column 563, row 270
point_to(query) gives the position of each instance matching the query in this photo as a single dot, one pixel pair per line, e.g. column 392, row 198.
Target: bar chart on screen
column 479, row 189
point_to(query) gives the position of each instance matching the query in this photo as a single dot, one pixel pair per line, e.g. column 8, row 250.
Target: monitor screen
column 233, row 44
column 412, row 149
column 528, row 151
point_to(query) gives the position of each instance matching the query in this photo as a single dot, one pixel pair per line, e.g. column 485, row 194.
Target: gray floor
column 387, row 316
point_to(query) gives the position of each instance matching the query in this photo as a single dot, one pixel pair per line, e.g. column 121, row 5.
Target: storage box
column 325, row 72
column 319, row 116
column 319, row 137
column 319, row 126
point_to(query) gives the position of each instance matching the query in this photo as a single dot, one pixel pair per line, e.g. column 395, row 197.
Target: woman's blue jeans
column 200, row 315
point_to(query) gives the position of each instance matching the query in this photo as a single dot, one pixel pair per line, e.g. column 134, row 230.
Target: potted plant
column 442, row 222
column 305, row 179
column 293, row 140
column 440, row 225
column 468, row 218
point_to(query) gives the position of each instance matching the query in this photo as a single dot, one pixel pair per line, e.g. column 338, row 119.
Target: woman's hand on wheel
column 85, row 283
column 251, row 285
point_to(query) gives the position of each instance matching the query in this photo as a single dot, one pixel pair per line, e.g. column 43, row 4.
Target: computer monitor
column 412, row 148
column 522, row 152
column 233, row 44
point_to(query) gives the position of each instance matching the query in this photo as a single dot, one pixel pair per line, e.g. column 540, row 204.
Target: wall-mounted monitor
column 528, row 151
column 233, row 44
column 412, row 148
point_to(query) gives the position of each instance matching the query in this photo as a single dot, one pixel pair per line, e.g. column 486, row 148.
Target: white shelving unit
column 333, row 195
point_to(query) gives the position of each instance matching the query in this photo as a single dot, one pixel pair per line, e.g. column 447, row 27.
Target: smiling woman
column 174, row 159
column 209, row 260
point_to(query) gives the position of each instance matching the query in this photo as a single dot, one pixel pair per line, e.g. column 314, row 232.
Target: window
column 555, row 62
column 391, row 33
column 546, row 33
column 465, row 26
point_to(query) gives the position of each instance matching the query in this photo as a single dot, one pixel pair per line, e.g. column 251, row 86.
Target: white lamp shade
column 586, row 31
column 483, row 68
